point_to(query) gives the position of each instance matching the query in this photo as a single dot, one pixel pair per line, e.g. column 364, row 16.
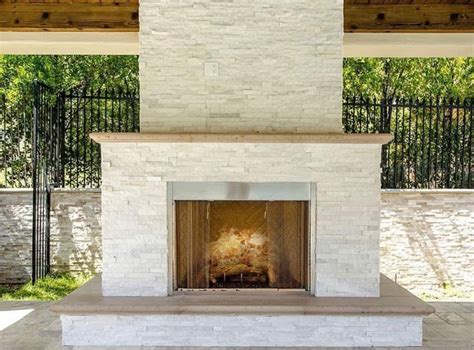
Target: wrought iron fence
column 45, row 152
column 45, row 144
column 432, row 146
column 78, row 113
column 85, row 111
column 15, row 142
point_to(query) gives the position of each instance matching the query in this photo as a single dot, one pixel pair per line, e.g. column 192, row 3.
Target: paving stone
column 468, row 316
column 26, row 334
column 469, row 306
column 433, row 319
column 452, row 318
column 450, row 307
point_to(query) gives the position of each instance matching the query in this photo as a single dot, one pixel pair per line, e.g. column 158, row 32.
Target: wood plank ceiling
column 69, row 15
column 435, row 16
column 122, row 15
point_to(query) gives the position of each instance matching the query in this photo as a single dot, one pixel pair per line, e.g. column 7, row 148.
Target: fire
column 238, row 252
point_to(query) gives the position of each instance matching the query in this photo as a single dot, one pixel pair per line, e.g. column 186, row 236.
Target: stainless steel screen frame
column 241, row 191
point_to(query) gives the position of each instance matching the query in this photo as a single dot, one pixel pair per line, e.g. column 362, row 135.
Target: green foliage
column 373, row 78
column 62, row 72
column 52, row 287
column 370, row 77
column 409, row 77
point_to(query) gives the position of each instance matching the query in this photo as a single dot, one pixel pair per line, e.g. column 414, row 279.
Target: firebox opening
column 242, row 244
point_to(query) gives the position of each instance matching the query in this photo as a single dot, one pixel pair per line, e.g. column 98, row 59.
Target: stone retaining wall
column 75, row 233
column 427, row 237
column 15, row 235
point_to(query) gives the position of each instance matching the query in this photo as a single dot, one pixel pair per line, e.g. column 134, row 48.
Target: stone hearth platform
column 242, row 318
column 394, row 300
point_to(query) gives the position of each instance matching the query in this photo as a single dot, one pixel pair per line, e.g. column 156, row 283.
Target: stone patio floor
column 451, row 327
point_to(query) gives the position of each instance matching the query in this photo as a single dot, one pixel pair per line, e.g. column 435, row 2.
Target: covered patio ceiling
column 373, row 28
column 360, row 16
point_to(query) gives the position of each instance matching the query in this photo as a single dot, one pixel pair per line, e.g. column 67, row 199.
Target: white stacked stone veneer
column 244, row 330
column 241, row 66
column 138, row 234
column 136, row 207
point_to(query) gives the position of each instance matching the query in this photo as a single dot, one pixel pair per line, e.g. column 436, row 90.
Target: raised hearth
column 393, row 300
column 242, row 318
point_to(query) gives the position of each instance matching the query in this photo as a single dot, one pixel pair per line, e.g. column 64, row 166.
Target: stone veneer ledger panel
column 242, row 330
column 241, row 66
column 137, row 233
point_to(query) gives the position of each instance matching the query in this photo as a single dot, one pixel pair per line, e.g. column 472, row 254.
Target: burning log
column 240, row 253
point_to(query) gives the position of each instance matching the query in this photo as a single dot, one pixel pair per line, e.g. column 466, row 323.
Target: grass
column 52, row 287
column 57, row 286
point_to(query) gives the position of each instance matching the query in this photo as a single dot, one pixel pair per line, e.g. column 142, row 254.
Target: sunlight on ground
column 7, row 318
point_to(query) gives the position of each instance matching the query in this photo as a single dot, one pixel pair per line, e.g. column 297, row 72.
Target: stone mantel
column 322, row 138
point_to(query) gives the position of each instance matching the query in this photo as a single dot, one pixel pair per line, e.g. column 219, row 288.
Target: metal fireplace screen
column 241, row 244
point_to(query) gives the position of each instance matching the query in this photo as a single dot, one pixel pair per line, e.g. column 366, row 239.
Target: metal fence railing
column 45, row 151
column 433, row 139
column 86, row 111
column 78, row 112
column 432, row 146
column 15, row 142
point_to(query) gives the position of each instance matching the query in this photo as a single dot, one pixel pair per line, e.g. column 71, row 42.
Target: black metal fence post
column 34, row 180
column 44, row 172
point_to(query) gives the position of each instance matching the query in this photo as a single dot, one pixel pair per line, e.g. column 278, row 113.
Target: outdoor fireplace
column 241, row 178
column 241, row 244
column 281, row 232
column 241, row 235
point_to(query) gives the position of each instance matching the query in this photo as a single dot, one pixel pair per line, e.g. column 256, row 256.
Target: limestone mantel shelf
column 240, row 138
column 394, row 300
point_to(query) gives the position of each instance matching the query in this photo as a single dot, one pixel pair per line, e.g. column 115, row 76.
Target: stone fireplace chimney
column 240, row 66
column 242, row 179
column 241, row 92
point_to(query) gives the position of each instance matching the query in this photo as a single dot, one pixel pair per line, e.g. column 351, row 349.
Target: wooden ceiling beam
column 95, row 16
column 360, row 16
column 409, row 16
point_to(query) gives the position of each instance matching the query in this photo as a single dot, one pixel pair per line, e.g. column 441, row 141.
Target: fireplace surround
column 138, row 171
column 245, row 235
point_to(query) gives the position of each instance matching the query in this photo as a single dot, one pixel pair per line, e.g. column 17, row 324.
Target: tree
column 386, row 78
column 426, row 104
column 62, row 72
